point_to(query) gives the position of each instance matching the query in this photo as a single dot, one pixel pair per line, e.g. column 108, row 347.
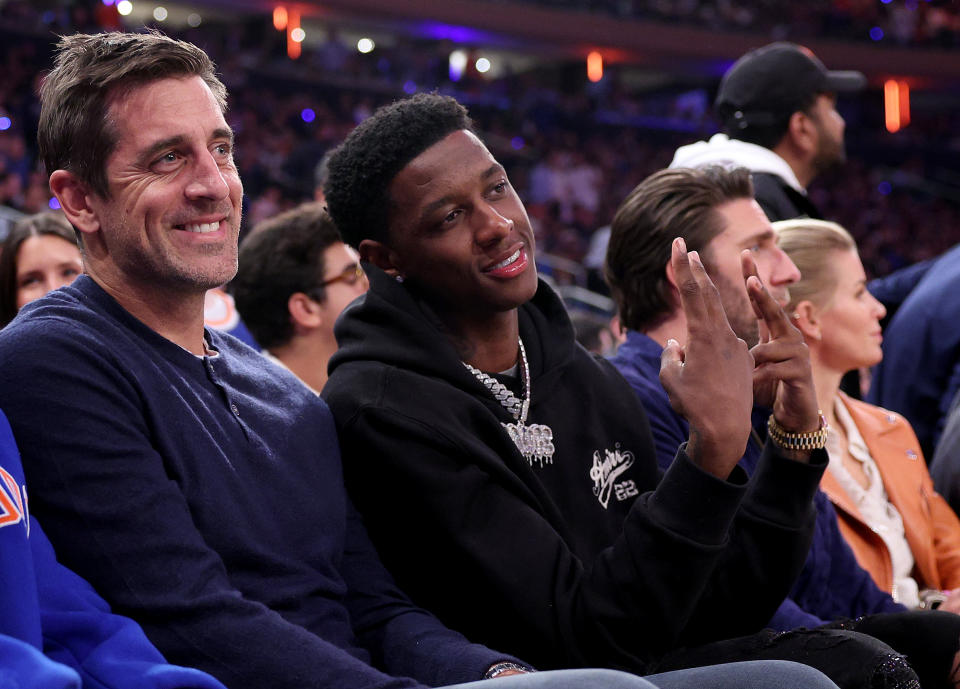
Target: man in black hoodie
column 509, row 477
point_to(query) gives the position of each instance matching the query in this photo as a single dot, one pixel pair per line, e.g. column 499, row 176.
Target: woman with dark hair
column 900, row 529
column 39, row 255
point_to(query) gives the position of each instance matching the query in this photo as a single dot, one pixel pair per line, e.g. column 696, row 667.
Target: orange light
column 896, row 104
column 891, row 105
column 293, row 47
column 594, row 66
column 280, row 18
column 904, row 104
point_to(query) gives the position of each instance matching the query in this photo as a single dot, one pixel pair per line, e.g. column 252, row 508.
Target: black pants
column 904, row 650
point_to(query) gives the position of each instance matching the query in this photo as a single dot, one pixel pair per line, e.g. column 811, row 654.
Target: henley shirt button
column 234, row 409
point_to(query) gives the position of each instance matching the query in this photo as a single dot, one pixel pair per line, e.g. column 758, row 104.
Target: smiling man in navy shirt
column 197, row 486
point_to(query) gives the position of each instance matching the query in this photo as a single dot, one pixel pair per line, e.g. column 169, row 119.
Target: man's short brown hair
column 670, row 203
column 75, row 133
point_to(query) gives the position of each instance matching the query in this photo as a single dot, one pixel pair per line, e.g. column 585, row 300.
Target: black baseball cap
column 775, row 81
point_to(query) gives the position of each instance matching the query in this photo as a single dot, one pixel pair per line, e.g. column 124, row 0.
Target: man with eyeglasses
column 296, row 275
column 196, row 487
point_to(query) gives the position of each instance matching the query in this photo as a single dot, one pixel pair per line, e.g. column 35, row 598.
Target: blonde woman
column 900, row 529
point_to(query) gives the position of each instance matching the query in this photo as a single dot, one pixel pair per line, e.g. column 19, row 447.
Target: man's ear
column 802, row 132
column 305, row 313
column 672, row 281
column 806, row 317
column 674, row 293
column 75, row 200
column 380, row 255
column 671, row 276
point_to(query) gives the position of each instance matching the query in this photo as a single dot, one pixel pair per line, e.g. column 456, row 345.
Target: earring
column 795, row 316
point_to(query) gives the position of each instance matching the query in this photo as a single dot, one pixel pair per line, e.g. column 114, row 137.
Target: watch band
column 811, row 440
column 498, row 669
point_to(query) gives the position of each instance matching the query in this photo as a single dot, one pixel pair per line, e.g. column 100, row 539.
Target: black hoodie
column 593, row 559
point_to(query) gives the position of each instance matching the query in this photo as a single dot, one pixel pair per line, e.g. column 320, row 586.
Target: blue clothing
column 756, row 674
column 220, row 312
column 204, row 497
column 920, row 372
column 831, row 585
column 55, row 631
column 893, row 289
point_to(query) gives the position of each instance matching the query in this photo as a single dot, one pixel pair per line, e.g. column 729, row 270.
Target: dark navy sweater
column 203, row 496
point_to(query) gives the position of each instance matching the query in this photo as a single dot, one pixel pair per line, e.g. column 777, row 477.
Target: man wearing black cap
column 778, row 108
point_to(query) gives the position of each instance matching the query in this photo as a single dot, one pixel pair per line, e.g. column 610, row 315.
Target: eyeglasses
column 350, row 275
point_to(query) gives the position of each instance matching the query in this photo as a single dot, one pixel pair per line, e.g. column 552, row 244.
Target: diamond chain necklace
column 535, row 442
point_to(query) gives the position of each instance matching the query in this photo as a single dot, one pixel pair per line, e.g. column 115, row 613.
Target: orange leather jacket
column 932, row 528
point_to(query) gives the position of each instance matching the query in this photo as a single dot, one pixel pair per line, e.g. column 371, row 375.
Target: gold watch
column 803, row 442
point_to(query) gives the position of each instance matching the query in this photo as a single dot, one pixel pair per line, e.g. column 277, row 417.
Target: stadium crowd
column 934, row 23
column 573, row 153
column 300, row 406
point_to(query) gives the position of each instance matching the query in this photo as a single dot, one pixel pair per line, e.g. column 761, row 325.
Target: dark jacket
column 832, row 585
column 779, row 200
column 593, row 559
column 203, row 496
column 920, row 372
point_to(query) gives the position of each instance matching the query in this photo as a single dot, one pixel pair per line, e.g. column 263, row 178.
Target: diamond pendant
column 535, row 441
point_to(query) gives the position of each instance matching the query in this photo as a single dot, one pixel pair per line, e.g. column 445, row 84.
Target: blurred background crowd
column 573, row 147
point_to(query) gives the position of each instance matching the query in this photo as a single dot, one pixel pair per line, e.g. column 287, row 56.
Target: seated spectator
column 55, row 631
column 901, row 530
column 778, row 104
column 715, row 213
column 296, row 275
column 500, row 467
column 200, row 491
column 39, row 255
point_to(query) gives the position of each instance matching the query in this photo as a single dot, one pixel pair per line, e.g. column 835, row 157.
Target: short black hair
column 677, row 202
column 363, row 166
column 281, row 256
column 767, row 130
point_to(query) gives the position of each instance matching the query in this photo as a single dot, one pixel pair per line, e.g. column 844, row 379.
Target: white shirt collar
column 722, row 150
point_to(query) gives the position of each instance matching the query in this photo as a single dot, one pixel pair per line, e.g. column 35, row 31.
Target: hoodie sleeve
column 406, row 640
column 471, row 542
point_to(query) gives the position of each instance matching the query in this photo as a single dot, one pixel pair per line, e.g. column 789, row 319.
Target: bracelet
column 498, row 669
column 930, row 599
column 786, row 440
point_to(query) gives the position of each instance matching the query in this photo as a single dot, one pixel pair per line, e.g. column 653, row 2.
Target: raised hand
column 782, row 378
column 709, row 380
